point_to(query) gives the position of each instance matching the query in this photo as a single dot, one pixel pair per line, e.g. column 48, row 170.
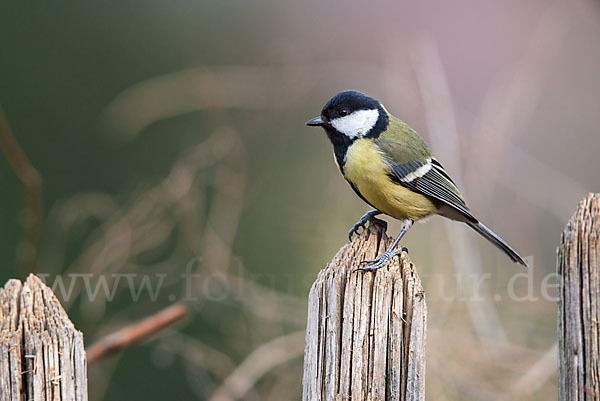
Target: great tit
column 390, row 167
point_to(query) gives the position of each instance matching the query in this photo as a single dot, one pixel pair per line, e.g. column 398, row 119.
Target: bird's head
column 352, row 115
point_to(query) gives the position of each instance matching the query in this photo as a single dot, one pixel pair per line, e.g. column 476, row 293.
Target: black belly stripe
column 341, row 143
column 359, row 194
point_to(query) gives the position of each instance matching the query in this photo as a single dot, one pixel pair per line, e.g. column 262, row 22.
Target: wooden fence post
column 365, row 335
column 579, row 304
column 42, row 357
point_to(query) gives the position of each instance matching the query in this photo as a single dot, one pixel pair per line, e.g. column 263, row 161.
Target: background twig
column 32, row 193
column 262, row 360
column 129, row 335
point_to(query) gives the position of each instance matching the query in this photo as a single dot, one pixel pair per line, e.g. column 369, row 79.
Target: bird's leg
column 390, row 252
column 361, row 223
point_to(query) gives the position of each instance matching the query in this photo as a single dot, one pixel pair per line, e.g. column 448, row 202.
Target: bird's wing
column 413, row 166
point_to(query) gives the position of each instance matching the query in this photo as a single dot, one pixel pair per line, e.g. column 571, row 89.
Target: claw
column 381, row 261
column 389, row 253
column 377, row 263
column 366, row 269
column 354, row 229
column 362, row 223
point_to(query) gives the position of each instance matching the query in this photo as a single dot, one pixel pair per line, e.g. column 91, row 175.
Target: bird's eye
column 343, row 112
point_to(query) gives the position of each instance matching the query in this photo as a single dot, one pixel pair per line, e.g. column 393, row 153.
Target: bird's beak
column 316, row 122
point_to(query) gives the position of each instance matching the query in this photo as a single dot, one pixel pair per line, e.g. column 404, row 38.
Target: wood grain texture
column 42, row 356
column 578, row 312
column 365, row 335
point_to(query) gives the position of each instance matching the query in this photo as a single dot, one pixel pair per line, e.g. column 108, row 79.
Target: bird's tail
column 497, row 241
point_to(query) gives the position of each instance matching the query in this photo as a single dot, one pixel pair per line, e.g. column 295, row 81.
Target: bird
column 390, row 167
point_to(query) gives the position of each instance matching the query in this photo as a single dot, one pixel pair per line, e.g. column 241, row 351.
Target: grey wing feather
column 403, row 170
column 435, row 183
column 413, row 166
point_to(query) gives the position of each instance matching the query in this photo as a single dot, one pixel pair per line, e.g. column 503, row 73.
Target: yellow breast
column 365, row 169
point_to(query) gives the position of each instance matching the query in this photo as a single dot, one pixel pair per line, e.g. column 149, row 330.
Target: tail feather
column 497, row 241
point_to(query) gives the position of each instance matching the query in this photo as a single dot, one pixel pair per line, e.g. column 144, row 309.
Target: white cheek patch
column 357, row 124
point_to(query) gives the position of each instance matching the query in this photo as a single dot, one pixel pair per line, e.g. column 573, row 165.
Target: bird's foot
column 369, row 216
column 381, row 261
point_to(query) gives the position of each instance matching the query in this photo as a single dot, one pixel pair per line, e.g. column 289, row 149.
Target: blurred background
column 170, row 142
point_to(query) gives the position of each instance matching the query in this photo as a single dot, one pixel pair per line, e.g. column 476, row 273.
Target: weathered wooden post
column 365, row 335
column 579, row 305
column 42, row 357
